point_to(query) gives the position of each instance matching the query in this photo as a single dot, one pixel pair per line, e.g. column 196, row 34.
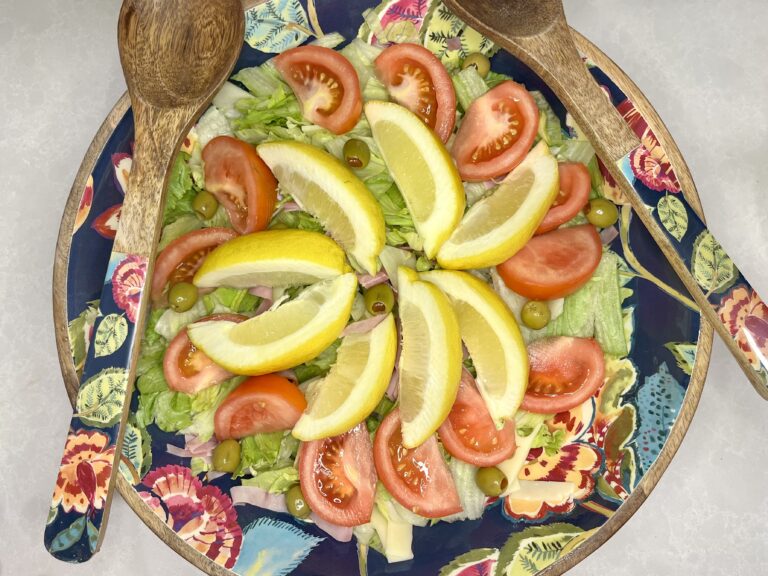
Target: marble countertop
column 700, row 62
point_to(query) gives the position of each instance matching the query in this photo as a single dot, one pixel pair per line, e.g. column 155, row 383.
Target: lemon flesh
column 422, row 169
column 492, row 337
column 430, row 361
column 279, row 339
column 272, row 258
column 496, row 227
column 353, row 387
column 332, row 193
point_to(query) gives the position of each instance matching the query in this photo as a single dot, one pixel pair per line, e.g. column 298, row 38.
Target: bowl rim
column 605, row 532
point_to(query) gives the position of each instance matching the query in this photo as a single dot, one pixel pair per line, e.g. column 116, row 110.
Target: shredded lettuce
column 212, row 124
column 550, row 129
column 259, row 452
column 362, row 55
column 235, row 300
column 176, row 229
column 493, row 79
column 374, row 420
column 527, row 422
column 331, row 40
column 276, row 481
column 469, row 86
column 261, row 80
column 227, row 98
column 320, row 365
column 595, row 310
column 298, row 219
column 471, row 497
column 204, row 405
column 572, row 150
column 181, row 191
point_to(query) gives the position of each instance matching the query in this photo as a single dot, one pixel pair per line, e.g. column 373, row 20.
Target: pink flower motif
column 202, row 516
column 84, row 473
column 653, row 171
column 746, row 317
column 85, row 204
column 122, row 164
column 127, row 283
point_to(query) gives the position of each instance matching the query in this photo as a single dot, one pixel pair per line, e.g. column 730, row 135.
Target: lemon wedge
column 430, row 361
column 272, row 258
column 497, row 226
column 353, row 387
column 332, row 193
column 492, row 337
column 422, row 169
column 281, row 338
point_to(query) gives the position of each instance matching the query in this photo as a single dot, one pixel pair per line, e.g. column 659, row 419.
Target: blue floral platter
column 617, row 444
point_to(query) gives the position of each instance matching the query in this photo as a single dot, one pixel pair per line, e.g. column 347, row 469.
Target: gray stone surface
column 702, row 63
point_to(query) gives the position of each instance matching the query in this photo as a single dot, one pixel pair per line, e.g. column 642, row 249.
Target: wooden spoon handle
column 725, row 297
column 88, row 471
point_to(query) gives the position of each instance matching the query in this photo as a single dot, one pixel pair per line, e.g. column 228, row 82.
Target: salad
column 379, row 281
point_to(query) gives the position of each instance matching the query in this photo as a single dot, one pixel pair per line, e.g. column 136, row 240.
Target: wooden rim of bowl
column 611, row 526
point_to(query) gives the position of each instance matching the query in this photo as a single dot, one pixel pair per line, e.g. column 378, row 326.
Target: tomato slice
column 265, row 403
column 338, row 478
column 325, row 83
column 189, row 370
column 575, row 185
column 564, row 372
column 179, row 261
column 241, row 182
column 497, row 132
column 554, row 264
column 417, row 478
column 416, row 79
column 469, row 432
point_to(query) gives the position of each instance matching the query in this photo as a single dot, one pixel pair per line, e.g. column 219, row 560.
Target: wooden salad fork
column 175, row 54
column 536, row 32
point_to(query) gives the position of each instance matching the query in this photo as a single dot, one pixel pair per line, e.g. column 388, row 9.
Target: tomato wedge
column 554, row 264
column 417, row 478
column 564, row 372
column 265, row 403
column 179, row 261
column 189, row 370
column 575, row 185
column 338, row 478
column 241, row 182
column 325, row 83
column 469, row 432
column 496, row 133
column 416, row 79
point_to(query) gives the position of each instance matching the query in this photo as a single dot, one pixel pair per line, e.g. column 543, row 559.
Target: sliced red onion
column 609, row 234
column 340, row 533
column 368, row 281
column 174, row 450
column 363, row 326
column 392, row 389
column 213, row 475
column 290, row 375
column 290, row 207
column 258, row 497
column 262, row 292
column 265, row 305
column 198, row 447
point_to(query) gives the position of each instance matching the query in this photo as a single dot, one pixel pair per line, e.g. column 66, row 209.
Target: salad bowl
column 618, row 445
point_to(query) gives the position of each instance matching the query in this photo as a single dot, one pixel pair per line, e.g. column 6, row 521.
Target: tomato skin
column 179, row 261
column 189, row 370
column 564, row 372
column 575, row 186
column 490, row 121
column 431, row 96
column 555, row 264
column 324, row 467
column 266, row 403
column 429, row 491
column 337, row 107
column 470, row 420
column 241, row 182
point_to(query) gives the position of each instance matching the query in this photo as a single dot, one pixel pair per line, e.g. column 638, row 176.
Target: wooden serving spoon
column 536, row 32
column 175, row 54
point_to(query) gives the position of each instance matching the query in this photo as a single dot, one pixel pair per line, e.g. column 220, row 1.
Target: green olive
column 182, row 296
column 491, row 481
column 535, row 314
column 356, row 153
column 479, row 61
column 205, row 204
column 296, row 503
column 379, row 299
column 602, row 213
column 226, row 456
